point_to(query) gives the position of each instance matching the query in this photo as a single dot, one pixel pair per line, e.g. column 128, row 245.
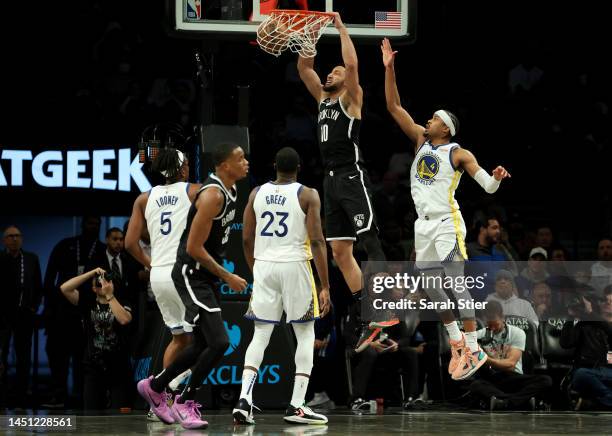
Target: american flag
column 387, row 20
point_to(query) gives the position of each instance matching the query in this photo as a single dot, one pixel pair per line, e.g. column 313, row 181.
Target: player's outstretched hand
column 324, row 302
column 500, row 173
column 388, row 55
column 236, row 282
column 338, row 21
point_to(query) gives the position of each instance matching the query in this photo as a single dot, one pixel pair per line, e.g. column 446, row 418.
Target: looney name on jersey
column 276, row 199
column 167, row 200
column 229, row 217
column 329, row 113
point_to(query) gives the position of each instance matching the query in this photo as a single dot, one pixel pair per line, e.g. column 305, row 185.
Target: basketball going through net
column 297, row 30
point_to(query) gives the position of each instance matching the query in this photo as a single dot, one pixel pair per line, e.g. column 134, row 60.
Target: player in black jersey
column 196, row 275
column 347, row 198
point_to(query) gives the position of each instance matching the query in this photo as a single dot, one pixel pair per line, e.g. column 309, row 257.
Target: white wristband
column 488, row 183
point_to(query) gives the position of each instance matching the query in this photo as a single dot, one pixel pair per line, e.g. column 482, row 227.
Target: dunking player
column 439, row 231
column 282, row 232
column 348, row 208
column 163, row 213
column 196, row 274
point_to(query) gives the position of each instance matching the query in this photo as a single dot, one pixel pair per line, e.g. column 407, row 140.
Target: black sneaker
column 532, row 404
column 359, row 404
column 497, row 404
column 304, row 415
column 243, row 412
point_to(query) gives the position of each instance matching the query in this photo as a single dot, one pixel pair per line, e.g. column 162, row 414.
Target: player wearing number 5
column 162, row 213
column 282, row 233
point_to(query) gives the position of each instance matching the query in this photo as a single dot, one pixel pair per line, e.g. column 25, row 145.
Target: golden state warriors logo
column 427, row 167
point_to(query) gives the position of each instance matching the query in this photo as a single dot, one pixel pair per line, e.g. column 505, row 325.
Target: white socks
column 174, row 384
column 249, row 377
column 299, row 390
column 453, row 331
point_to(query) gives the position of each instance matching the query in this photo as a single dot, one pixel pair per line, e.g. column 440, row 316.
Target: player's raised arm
column 209, row 205
column 310, row 77
column 317, row 245
column 136, row 228
column 249, row 223
column 394, row 104
column 349, row 57
column 468, row 162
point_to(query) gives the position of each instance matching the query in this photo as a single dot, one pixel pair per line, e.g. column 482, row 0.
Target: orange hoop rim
column 300, row 12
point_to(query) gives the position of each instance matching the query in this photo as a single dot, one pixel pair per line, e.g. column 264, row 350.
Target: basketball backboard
column 364, row 20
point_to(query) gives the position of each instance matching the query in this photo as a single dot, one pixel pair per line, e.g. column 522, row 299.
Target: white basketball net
column 297, row 30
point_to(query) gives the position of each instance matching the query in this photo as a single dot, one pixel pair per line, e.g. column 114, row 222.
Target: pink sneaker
column 469, row 363
column 456, row 351
column 158, row 402
column 188, row 414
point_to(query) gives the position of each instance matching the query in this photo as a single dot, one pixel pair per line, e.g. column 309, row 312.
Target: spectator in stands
column 541, row 300
column 504, row 385
column 117, row 261
column 322, row 375
column 558, row 254
column 534, row 272
column 506, row 295
column 544, row 238
column 592, row 342
column 601, row 271
column 105, row 315
column 68, row 259
column 21, row 292
column 485, row 258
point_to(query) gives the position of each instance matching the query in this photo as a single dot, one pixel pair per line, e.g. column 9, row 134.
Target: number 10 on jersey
column 324, row 132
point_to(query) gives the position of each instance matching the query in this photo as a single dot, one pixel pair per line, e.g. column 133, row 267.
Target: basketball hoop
column 297, row 30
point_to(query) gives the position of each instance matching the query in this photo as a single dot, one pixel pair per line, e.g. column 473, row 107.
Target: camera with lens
column 108, row 276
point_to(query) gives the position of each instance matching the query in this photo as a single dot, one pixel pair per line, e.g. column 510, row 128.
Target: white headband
column 447, row 120
column 181, row 159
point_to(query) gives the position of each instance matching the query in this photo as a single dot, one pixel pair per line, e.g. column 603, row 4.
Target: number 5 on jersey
column 165, row 222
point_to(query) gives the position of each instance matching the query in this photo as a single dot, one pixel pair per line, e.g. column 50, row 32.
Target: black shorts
column 196, row 291
column 348, row 204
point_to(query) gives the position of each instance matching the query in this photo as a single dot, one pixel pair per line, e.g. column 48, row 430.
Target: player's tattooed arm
column 209, row 205
column 394, row 104
column 249, row 223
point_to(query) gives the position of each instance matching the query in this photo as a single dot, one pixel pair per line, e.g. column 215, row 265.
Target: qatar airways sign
column 105, row 169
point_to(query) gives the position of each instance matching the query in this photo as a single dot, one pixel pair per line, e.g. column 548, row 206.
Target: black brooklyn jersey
column 219, row 232
column 338, row 135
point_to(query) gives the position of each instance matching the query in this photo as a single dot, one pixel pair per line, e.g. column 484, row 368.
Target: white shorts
column 439, row 239
column 279, row 286
column 168, row 300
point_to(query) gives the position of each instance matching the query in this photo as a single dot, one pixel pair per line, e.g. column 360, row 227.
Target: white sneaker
column 319, row 398
column 304, row 415
column 152, row 416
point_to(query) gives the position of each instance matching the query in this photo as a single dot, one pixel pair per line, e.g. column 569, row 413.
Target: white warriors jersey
column 166, row 215
column 280, row 234
column 434, row 179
